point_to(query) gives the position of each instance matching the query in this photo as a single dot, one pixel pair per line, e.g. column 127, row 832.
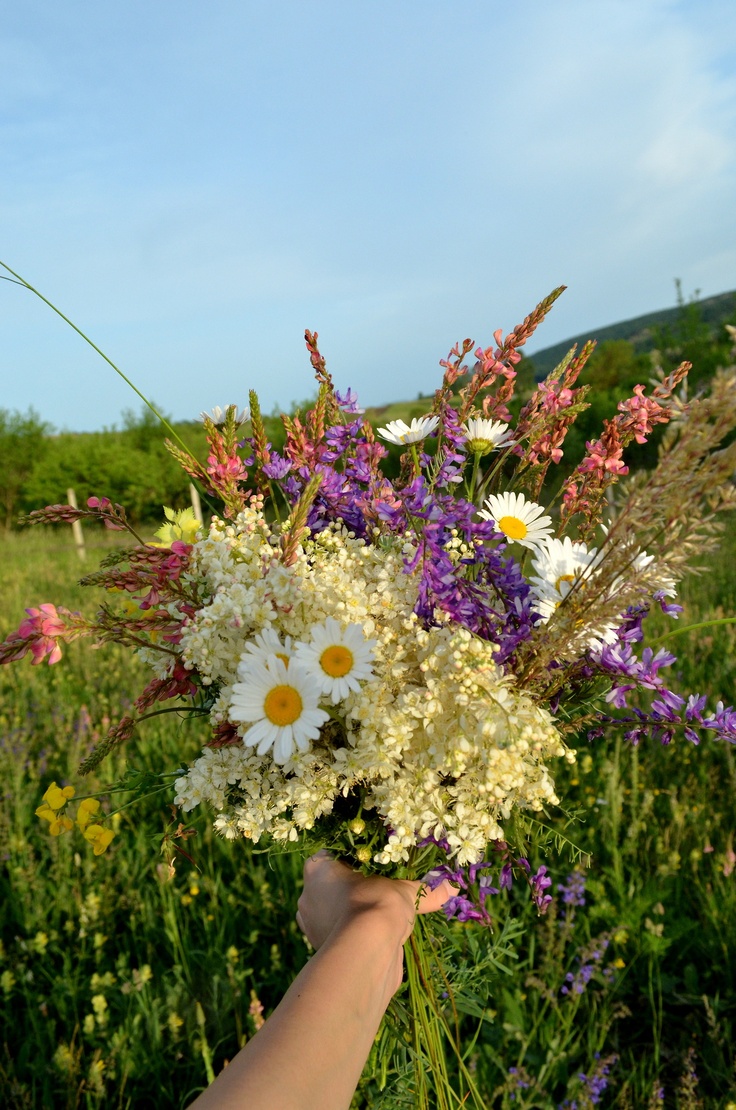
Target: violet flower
column 348, row 403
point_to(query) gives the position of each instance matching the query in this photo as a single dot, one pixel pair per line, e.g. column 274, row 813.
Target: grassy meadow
column 124, row 986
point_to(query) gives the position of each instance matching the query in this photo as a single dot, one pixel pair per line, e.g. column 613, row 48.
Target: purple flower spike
column 538, row 884
column 573, row 889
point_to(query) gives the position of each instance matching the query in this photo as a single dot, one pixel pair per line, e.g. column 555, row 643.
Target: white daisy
column 338, row 658
column 559, row 565
column 396, row 431
column 219, row 416
column 485, row 436
column 264, row 645
column 521, row 521
column 281, row 707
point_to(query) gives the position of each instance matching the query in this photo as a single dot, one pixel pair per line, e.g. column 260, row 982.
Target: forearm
column 310, row 1053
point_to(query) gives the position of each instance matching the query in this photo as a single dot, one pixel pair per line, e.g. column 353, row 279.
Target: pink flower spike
column 38, row 634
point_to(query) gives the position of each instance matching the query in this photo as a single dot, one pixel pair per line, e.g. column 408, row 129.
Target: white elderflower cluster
column 334, row 685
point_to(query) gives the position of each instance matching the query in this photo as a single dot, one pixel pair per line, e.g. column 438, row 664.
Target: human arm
column 310, row 1053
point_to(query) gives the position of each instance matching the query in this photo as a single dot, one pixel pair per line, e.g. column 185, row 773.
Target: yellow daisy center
column 283, row 705
column 480, row 446
column 512, row 527
column 336, row 660
column 570, row 578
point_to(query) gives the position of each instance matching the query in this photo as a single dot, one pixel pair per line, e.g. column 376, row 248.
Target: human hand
column 334, row 893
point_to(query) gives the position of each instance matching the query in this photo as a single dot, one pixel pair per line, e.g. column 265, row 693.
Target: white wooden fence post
column 76, row 526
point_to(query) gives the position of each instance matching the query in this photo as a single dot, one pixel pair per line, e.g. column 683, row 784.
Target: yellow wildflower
column 99, row 1005
column 619, row 963
column 89, row 911
column 58, row 823
column 7, row 982
column 88, row 1025
column 56, row 797
column 95, row 1076
column 39, row 942
column 182, row 525
column 99, row 982
column 88, row 807
column 64, row 1059
column 99, row 940
column 141, row 976
column 232, row 954
column 174, row 1023
column 99, row 837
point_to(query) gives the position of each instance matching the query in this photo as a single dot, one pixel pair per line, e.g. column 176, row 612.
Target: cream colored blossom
column 440, row 741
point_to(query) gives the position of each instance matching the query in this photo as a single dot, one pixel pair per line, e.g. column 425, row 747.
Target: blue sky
column 194, row 184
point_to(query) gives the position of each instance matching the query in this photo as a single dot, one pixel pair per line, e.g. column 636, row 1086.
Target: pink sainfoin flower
column 603, row 463
column 228, row 469
column 643, row 412
column 545, row 419
column 38, row 634
column 605, row 454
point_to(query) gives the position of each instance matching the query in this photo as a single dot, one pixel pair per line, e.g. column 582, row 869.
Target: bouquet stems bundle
column 393, row 636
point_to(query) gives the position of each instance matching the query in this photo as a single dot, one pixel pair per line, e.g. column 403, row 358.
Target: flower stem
column 431, row 1033
column 692, row 628
column 27, row 285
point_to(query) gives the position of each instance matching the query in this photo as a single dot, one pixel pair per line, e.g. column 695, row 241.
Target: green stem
column 165, row 786
column 693, row 628
column 474, row 478
column 27, row 285
column 432, row 1026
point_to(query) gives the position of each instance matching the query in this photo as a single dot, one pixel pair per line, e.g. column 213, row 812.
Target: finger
column 431, row 900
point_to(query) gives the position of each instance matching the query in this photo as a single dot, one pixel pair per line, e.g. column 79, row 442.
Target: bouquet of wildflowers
column 391, row 667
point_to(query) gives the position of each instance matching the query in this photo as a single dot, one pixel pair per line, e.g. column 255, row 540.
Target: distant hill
column 714, row 311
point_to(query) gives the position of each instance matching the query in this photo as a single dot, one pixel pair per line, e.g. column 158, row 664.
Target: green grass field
column 120, row 987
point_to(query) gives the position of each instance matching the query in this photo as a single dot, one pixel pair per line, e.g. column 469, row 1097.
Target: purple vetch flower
column 361, row 464
column 439, row 875
column 519, row 1078
column 463, row 909
column 474, row 888
column 348, row 403
column 340, row 437
column 441, row 842
column 723, row 722
column 589, row 961
column 277, row 467
column 667, row 607
column 339, row 498
column 538, row 884
column 573, row 889
column 594, row 1084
